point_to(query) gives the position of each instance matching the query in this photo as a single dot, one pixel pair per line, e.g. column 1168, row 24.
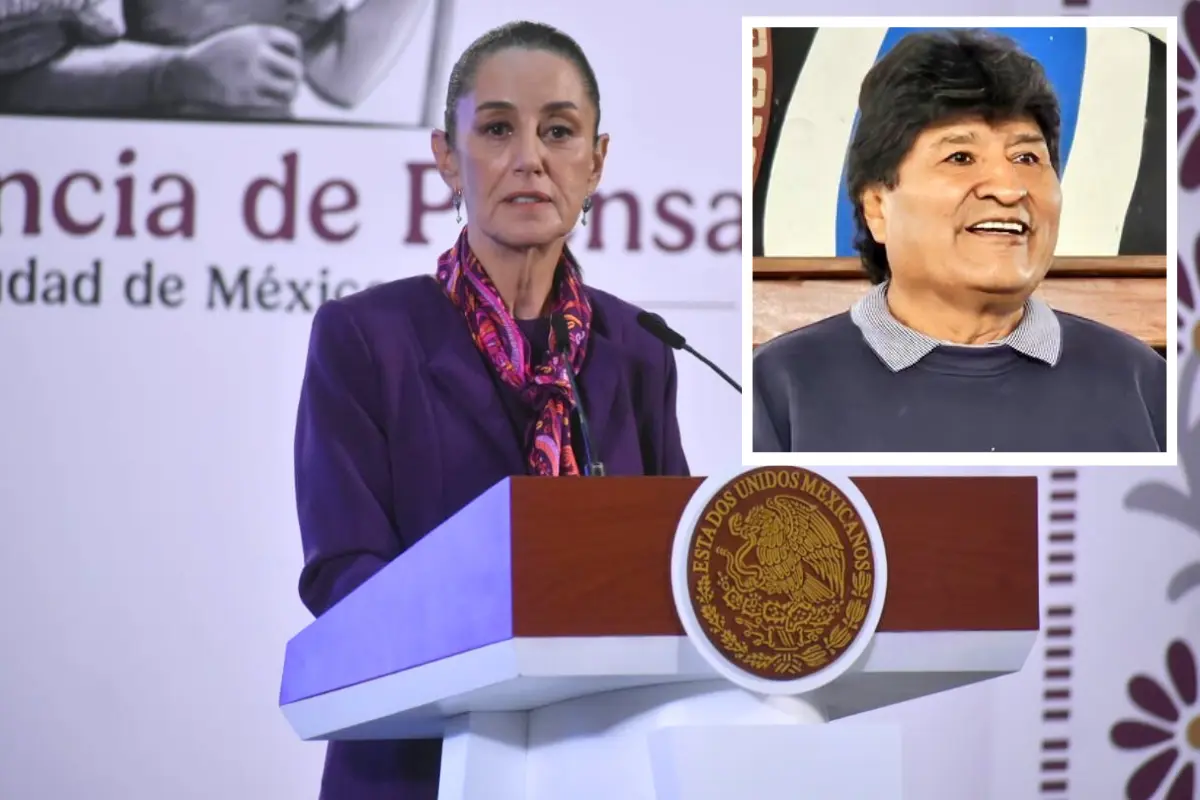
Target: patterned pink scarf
column 543, row 387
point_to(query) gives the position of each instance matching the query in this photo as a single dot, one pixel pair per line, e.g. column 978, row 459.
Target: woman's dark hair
column 523, row 36
column 931, row 78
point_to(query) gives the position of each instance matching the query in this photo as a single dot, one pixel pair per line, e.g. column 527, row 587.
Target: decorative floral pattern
column 1188, row 293
column 1189, row 88
column 1164, row 500
column 1189, row 170
column 1157, row 497
column 1189, row 181
column 1168, row 732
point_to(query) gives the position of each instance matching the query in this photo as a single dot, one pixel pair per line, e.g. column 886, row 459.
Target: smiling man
column 954, row 174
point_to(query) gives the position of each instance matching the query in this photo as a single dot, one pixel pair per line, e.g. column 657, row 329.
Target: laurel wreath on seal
column 814, row 656
column 730, row 641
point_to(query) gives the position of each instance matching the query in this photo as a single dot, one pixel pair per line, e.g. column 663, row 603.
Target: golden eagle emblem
column 781, row 572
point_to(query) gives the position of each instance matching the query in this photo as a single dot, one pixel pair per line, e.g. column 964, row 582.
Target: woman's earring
column 587, row 206
column 458, row 205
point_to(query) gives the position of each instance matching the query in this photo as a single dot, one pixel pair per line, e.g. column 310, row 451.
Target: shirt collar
column 1038, row 335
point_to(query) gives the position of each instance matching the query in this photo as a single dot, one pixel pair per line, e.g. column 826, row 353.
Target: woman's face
column 525, row 154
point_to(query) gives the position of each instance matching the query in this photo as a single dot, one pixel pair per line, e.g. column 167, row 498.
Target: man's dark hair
column 932, row 78
column 520, row 35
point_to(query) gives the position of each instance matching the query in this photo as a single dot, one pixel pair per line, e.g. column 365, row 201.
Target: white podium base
column 693, row 741
column 799, row 762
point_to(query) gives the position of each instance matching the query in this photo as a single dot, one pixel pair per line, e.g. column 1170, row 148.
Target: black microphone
column 658, row 327
column 558, row 323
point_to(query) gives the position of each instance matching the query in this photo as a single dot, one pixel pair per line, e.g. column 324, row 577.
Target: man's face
column 976, row 209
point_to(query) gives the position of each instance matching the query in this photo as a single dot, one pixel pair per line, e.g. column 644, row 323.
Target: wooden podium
column 540, row 637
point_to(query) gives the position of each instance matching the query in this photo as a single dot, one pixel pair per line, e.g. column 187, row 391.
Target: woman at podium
column 422, row 393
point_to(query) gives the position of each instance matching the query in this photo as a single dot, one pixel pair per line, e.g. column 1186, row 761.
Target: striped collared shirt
column 1038, row 335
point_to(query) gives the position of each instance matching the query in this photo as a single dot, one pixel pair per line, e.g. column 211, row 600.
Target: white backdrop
column 147, row 526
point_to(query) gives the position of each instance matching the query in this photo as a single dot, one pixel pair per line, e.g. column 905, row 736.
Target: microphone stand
column 657, row 327
column 562, row 345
